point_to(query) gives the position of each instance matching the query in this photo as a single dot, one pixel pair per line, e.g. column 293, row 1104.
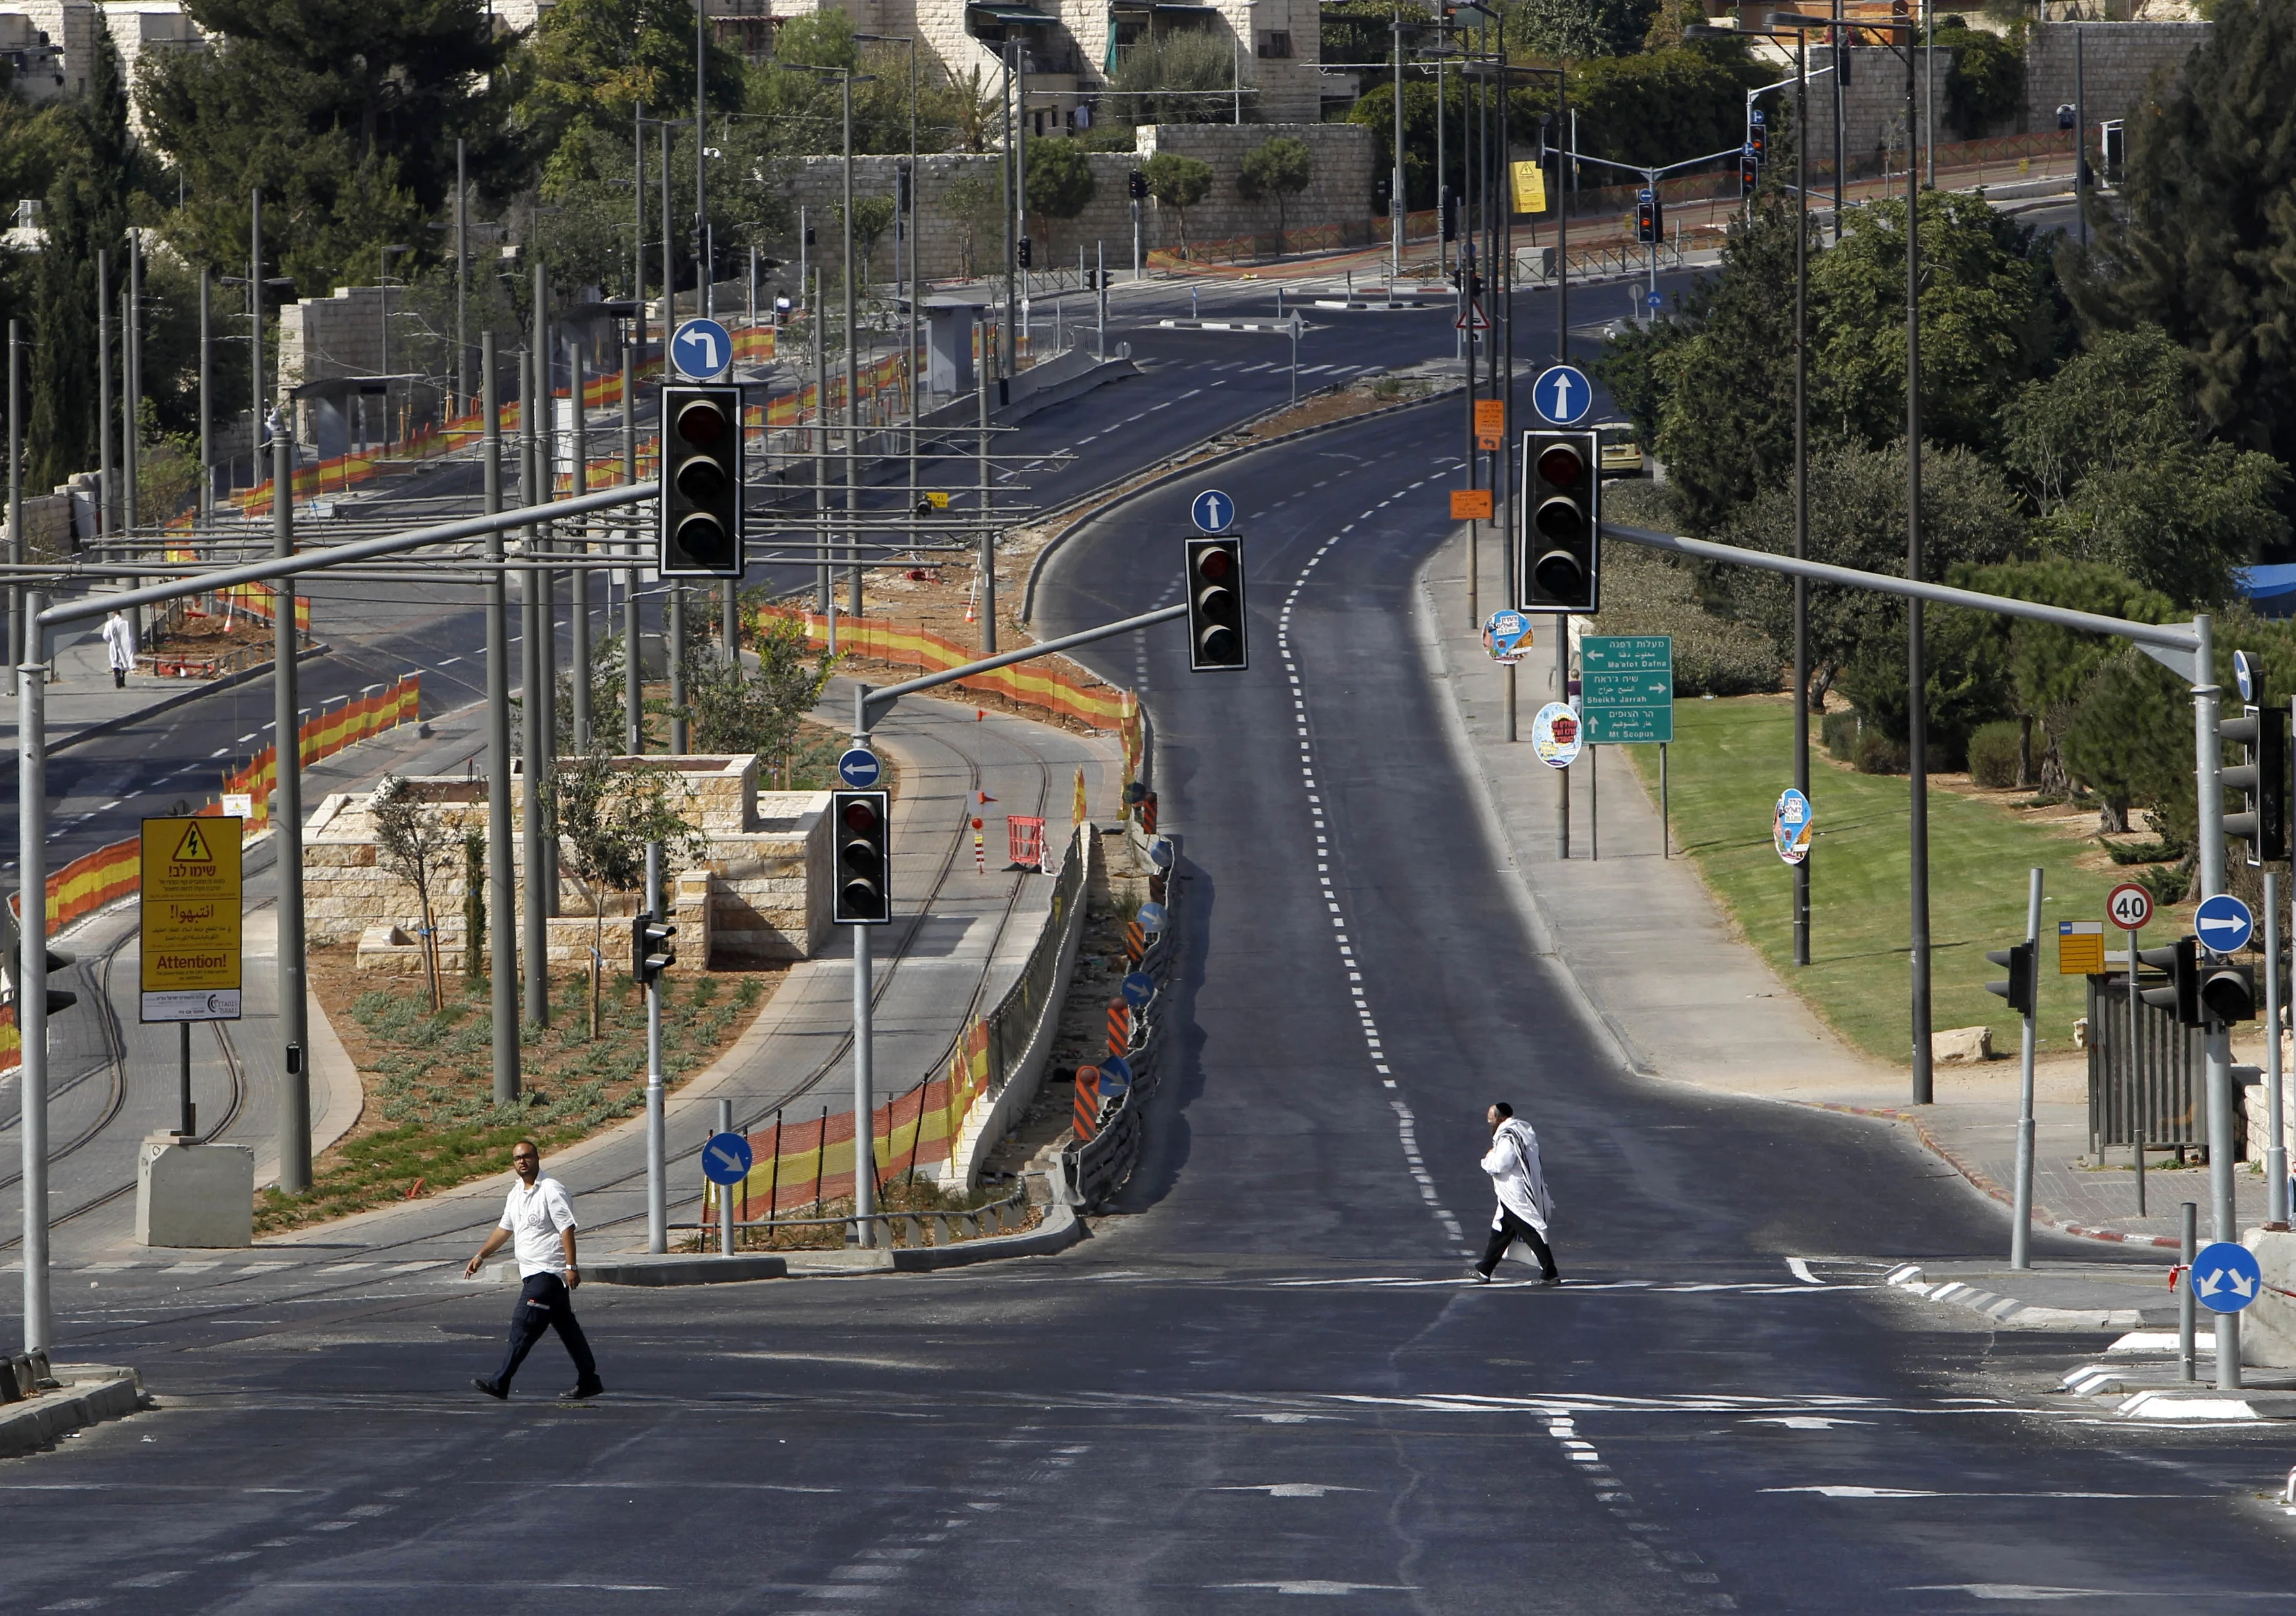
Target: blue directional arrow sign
column 2223, row 923
column 858, row 767
column 1115, row 1075
column 701, row 349
column 1138, row 988
column 725, row 1159
column 1212, row 512
column 1652, row 298
column 1562, row 394
column 1152, row 917
column 2225, row 1277
column 2244, row 674
column 1759, row 116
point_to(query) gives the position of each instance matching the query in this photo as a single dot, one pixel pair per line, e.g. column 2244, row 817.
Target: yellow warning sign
column 1529, row 188
column 2081, row 947
column 191, row 903
column 937, row 498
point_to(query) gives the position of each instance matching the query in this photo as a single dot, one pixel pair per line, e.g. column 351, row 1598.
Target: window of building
column 1276, row 44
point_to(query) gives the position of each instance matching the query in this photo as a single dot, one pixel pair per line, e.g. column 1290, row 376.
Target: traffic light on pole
column 1757, row 145
column 1559, row 558
column 1749, row 173
column 2261, row 775
column 1216, row 623
column 2024, row 983
column 650, row 950
column 1025, row 253
column 1647, row 222
column 700, row 532
column 1450, row 214
column 2180, row 963
column 2229, row 993
column 1136, row 184
column 12, row 966
column 860, row 822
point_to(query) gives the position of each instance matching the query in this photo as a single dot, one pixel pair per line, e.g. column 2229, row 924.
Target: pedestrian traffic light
column 860, row 825
column 1559, row 556
column 2227, row 993
column 2019, row 989
column 1749, row 173
column 1026, row 254
column 1475, row 287
column 1136, row 184
column 2261, row 775
column 1450, row 215
column 11, row 968
column 903, row 189
column 1216, row 620
column 650, row 950
column 2179, row 961
column 700, row 534
column 1648, row 223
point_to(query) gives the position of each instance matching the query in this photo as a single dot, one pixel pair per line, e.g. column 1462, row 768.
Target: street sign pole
column 2276, row 1150
column 2208, row 765
column 2021, row 1228
column 2134, row 1108
column 725, row 1191
column 32, row 977
column 657, row 1183
column 864, row 1143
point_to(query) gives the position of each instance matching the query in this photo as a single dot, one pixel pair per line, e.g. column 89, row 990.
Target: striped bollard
column 1119, row 1025
column 979, row 850
column 1136, row 941
column 1087, row 1101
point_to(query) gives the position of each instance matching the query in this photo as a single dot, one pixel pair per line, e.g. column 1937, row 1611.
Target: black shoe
column 1480, row 1275
column 1550, row 1279
column 499, row 1393
column 587, row 1389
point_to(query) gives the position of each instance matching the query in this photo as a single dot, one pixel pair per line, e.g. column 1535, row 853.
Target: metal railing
column 2155, row 1097
column 1091, row 1169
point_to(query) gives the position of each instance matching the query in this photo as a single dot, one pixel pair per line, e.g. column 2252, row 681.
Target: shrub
column 1839, row 731
column 1645, row 592
column 1877, row 754
column 1994, row 750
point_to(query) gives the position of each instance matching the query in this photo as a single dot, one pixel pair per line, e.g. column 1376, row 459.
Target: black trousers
column 1510, row 1229
column 545, row 1304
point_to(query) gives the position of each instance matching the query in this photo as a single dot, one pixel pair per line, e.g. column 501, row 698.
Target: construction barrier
column 879, row 641
column 1024, row 840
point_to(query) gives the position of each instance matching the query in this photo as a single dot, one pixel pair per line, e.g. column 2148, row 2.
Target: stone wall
column 2117, row 62
column 1338, row 193
column 760, row 893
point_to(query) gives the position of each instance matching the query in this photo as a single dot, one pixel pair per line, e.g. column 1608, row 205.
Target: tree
column 1276, row 169
column 595, row 62
column 1060, row 183
column 417, row 843
column 735, row 708
column 85, row 213
column 1655, row 107
column 1561, row 30
column 2202, row 242
column 872, row 216
column 977, row 205
column 1986, row 83
column 1182, row 75
column 1178, row 182
column 1375, row 111
column 2110, row 457
column 602, row 812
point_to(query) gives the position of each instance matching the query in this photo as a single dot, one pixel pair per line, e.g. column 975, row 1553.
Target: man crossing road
column 540, row 1217
column 1525, row 1207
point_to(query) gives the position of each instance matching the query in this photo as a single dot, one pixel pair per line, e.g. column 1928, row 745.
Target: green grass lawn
column 1729, row 761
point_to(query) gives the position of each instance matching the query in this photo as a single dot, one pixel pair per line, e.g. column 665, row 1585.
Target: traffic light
column 1561, row 550
column 2180, row 962
column 1648, row 221
column 1136, row 184
column 860, row 823
column 2023, row 985
column 1216, row 622
column 1757, row 143
column 903, row 197
column 700, row 534
column 1450, row 215
column 650, row 950
column 11, row 968
column 1749, row 173
column 1474, row 286
column 2229, row 993
column 2262, row 777
column 1026, row 254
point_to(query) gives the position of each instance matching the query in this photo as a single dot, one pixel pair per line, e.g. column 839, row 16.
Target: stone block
column 1962, row 1047
column 193, row 1194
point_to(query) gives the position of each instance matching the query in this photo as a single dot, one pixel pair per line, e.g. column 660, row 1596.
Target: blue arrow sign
column 2244, row 674
column 1138, row 988
column 2223, row 923
column 2225, row 1277
column 1211, row 511
column 701, row 349
column 860, row 769
column 1562, row 394
column 1759, row 117
column 725, row 1159
column 1115, row 1075
column 1652, row 298
column 1152, row 917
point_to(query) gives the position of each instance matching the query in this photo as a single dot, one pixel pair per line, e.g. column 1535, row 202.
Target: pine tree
column 85, row 213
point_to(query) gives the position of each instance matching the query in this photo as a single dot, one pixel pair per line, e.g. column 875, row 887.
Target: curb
column 686, row 1270
column 1059, row 1230
column 1098, row 501
column 110, row 1393
column 182, row 698
column 2022, row 1316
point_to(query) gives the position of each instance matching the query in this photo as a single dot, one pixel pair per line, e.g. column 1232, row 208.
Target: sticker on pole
column 1791, row 825
column 725, row 1159
column 1557, row 735
column 1212, row 512
column 859, row 768
column 2225, row 1277
column 1562, row 394
column 701, row 349
column 2223, row 923
column 2081, row 947
column 1507, row 637
column 2130, row 906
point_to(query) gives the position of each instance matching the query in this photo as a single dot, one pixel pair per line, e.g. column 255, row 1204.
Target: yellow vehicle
column 1622, row 458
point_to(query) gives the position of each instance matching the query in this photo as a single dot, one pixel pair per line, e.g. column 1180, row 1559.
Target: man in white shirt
column 1525, row 1208
column 540, row 1217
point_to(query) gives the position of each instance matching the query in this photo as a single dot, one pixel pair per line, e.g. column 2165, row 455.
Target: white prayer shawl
column 119, row 643
column 1512, row 1163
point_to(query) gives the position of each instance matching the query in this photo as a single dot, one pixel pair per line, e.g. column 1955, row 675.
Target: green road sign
column 1626, row 688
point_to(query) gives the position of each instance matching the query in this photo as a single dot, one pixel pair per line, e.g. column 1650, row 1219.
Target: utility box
column 948, row 347
column 193, row 1194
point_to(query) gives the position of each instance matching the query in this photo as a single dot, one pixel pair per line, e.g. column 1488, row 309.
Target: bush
column 1877, row 754
column 1840, row 732
column 1993, row 751
column 1645, row 592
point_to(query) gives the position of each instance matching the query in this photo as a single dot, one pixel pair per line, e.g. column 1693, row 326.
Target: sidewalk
column 82, row 701
column 1624, row 922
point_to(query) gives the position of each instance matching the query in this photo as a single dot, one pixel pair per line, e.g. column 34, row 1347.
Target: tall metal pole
column 705, row 300
column 206, row 507
column 461, row 276
column 2081, row 140
column 1014, row 219
column 287, row 834
column 1501, row 338
column 2020, row 1227
column 535, row 664
column 656, row 1120
column 1395, row 201
column 2276, row 1147
column 577, row 576
column 852, row 381
column 501, row 874
column 1929, row 92
column 865, row 1100
column 16, row 495
column 633, row 617
column 1917, row 765
column 255, row 334
column 1842, row 48
column 32, row 995
column 825, row 581
column 988, row 561
column 107, row 485
column 1801, row 477
column 2208, row 765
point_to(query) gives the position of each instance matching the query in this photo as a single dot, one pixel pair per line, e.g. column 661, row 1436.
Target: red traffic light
column 701, row 422
column 1561, row 466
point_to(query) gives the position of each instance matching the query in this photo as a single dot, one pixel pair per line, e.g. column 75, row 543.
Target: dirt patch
column 428, row 1120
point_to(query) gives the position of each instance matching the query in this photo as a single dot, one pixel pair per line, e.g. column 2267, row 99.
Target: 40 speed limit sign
column 2130, row 906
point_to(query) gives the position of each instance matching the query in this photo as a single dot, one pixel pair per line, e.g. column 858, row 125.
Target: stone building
column 758, row 896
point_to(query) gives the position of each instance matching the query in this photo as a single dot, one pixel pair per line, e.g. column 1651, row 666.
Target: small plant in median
column 416, row 843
